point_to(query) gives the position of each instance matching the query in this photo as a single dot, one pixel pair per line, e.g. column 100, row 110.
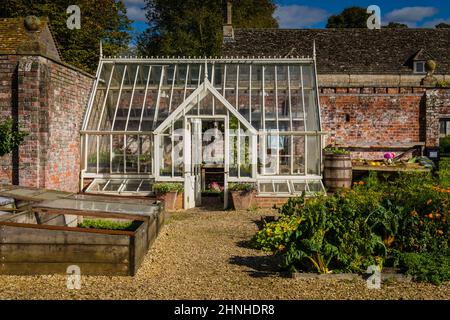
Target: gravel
column 203, row 255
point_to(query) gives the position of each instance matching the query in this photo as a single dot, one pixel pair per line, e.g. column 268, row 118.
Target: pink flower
column 389, row 155
column 215, row 187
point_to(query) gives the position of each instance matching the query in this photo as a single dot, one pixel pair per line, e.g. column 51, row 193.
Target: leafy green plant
column 108, row 224
column 165, row 187
column 9, row 137
column 427, row 267
column 335, row 150
column 371, row 224
column 241, row 186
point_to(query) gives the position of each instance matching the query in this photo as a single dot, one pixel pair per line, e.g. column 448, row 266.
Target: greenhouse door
column 193, row 161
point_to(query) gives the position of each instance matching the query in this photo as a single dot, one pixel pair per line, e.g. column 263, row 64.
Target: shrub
column 242, row 187
column 9, row 137
column 165, row 187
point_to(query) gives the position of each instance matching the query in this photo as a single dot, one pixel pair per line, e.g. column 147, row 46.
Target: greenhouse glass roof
column 137, row 95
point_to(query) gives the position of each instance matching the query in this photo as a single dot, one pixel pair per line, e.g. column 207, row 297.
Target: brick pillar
column 33, row 114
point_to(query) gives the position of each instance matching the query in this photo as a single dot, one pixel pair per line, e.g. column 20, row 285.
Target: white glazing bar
column 238, row 149
column 263, row 102
column 118, row 98
column 289, row 96
column 237, row 87
column 106, row 97
column 304, row 121
column 94, row 93
column 250, row 95
column 132, row 97
column 224, row 80
column 198, row 85
column 172, row 154
column 124, row 153
column 110, row 153
column 173, row 85
column 292, row 154
column 139, row 144
column 97, row 153
column 145, row 97
column 185, row 85
column 276, row 117
column 158, row 99
column 254, row 155
column 213, row 74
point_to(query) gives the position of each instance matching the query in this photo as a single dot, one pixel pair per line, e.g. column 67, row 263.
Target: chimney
column 228, row 32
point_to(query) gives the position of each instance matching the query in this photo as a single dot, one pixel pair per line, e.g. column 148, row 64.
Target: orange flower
column 429, row 202
column 429, row 216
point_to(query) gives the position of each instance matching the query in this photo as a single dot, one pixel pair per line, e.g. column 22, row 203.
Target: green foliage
column 353, row 17
column 108, row 224
column 165, row 187
column 10, row 138
column 442, row 25
column 240, row 186
column 371, row 224
column 104, row 20
column 335, row 150
column 396, row 25
column 443, row 84
column 427, row 267
column 194, row 28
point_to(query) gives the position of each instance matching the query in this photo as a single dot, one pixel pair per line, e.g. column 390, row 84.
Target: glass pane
column 104, row 154
column 145, row 160
column 132, row 153
column 245, row 158
column 132, row 186
column 298, row 154
column 113, row 185
column 281, row 187
column 92, row 154
column 266, row 187
column 315, row 186
column 299, row 186
column 313, row 161
column 166, row 159
column 233, row 155
column 117, row 154
column 285, row 154
column 178, row 153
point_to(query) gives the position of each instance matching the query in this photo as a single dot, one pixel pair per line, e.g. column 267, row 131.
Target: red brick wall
column 368, row 117
column 269, row 202
column 50, row 103
column 438, row 107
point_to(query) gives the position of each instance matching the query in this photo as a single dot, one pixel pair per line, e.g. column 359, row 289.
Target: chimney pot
column 228, row 32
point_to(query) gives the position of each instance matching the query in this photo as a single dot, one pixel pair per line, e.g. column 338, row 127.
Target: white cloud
column 134, row 2
column 136, row 14
column 295, row 16
column 410, row 15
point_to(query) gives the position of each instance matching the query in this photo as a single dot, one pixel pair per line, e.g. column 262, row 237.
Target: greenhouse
column 198, row 120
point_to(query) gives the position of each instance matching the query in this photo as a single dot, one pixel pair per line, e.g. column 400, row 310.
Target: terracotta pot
column 169, row 198
column 242, row 200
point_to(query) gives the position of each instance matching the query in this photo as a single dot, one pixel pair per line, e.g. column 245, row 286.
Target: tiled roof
column 16, row 39
column 348, row 51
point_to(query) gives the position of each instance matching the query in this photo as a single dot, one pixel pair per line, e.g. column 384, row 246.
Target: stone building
column 375, row 93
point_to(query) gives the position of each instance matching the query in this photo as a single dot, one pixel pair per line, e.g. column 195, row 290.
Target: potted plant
column 167, row 192
column 242, row 195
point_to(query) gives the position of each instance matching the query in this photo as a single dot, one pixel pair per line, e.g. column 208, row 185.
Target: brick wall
column 438, row 107
column 50, row 102
column 365, row 118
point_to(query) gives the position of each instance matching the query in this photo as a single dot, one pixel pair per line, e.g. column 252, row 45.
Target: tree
column 353, row 17
column 443, row 25
column 396, row 25
column 194, row 28
column 104, row 20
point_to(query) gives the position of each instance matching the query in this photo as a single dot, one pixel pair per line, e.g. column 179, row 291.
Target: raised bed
column 48, row 238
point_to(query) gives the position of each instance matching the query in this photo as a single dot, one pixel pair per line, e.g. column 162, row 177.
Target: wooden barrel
column 337, row 172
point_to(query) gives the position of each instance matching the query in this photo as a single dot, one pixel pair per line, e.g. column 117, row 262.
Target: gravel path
column 202, row 255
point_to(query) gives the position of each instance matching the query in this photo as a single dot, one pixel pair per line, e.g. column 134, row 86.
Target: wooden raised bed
column 47, row 239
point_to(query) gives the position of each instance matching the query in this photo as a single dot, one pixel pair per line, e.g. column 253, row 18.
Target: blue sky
column 314, row 13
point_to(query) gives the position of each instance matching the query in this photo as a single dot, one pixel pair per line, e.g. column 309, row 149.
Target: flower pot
column 169, row 198
column 242, row 200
